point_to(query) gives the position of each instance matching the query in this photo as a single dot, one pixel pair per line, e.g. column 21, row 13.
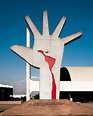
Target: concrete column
column 28, row 68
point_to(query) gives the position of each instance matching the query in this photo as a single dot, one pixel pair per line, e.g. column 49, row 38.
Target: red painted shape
column 53, row 87
column 51, row 62
column 46, row 52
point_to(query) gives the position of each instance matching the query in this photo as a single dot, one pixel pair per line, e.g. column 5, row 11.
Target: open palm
column 46, row 54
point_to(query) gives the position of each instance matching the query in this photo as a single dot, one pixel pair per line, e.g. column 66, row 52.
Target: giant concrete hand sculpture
column 47, row 55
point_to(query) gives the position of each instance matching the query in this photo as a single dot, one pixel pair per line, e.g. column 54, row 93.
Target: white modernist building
column 81, row 80
column 6, row 86
column 5, row 92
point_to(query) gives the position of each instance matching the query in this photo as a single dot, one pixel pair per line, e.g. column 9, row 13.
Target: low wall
column 10, row 102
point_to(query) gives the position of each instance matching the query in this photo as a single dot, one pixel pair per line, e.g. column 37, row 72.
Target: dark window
column 64, row 74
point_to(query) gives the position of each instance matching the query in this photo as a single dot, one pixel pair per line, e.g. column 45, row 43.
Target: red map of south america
column 51, row 62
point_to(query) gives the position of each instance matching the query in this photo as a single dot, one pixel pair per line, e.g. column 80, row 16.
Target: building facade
column 76, row 83
column 5, row 92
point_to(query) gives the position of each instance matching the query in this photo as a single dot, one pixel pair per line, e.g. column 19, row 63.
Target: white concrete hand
column 50, row 44
column 46, row 54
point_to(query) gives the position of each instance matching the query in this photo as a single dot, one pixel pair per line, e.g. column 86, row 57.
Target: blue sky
column 79, row 15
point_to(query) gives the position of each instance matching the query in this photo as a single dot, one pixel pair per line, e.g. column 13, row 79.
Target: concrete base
column 49, row 108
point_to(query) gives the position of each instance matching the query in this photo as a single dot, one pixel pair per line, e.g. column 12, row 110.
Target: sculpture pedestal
column 48, row 107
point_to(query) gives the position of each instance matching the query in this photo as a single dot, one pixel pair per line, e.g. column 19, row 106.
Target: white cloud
column 19, row 85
